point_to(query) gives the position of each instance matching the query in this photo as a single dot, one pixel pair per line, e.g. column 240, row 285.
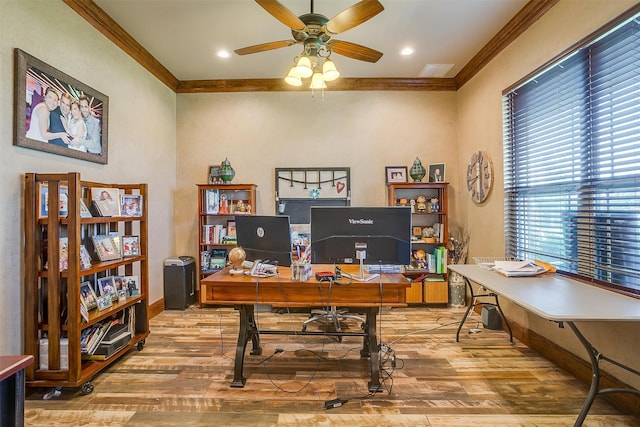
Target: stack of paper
column 518, row 268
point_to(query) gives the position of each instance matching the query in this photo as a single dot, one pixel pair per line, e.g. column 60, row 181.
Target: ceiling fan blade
column 354, row 51
column 353, row 16
column 264, row 47
column 282, row 14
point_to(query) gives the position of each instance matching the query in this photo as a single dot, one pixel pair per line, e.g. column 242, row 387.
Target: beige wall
column 141, row 137
column 150, row 142
column 480, row 128
column 259, row 132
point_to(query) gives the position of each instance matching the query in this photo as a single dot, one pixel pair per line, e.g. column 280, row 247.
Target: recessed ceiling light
column 407, row 51
column 223, row 53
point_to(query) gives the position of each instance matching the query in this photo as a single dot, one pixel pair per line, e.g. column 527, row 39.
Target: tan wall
column 480, row 127
column 259, row 132
column 141, row 137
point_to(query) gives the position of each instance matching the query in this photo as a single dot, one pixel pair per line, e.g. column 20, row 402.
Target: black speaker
column 491, row 317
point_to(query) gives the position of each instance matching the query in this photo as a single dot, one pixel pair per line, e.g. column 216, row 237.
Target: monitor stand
column 362, row 255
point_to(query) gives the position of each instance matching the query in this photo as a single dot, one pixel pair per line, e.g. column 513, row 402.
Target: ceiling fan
column 315, row 30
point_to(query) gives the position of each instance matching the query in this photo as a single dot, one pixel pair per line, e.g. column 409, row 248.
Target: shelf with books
column 58, row 306
column 218, row 205
column 430, row 223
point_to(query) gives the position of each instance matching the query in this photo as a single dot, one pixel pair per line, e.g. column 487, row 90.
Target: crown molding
column 93, row 14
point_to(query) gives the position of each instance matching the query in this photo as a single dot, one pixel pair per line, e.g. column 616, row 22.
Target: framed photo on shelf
column 395, row 174
column 88, row 296
column 131, row 205
column 43, row 200
column 130, row 245
column 214, row 175
column 36, row 82
column 436, row 172
column 104, row 302
column 107, row 287
column 105, row 248
column 132, row 286
column 84, row 210
column 107, row 200
column 231, row 228
column 85, row 258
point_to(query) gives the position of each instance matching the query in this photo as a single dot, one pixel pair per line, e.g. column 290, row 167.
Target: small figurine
column 435, row 207
column 224, row 205
column 403, row 202
column 421, row 204
column 240, row 207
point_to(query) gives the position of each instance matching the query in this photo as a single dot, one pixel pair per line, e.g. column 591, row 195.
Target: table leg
column 466, row 313
column 247, row 330
column 371, row 347
column 595, row 356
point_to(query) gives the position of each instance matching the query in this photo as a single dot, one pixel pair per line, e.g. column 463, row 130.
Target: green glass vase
column 417, row 171
column 226, row 171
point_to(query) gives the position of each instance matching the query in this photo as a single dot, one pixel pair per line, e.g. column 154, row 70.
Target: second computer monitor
column 267, row 238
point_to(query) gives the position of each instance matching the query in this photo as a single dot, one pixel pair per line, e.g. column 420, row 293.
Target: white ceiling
column 184, row 35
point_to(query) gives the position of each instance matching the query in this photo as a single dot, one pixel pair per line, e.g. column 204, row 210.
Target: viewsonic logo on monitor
column 361, row 221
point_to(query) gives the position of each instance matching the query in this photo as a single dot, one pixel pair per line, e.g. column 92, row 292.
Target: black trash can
column 179, row 282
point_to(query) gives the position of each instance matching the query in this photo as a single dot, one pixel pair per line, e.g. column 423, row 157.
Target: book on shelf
column 212, row 201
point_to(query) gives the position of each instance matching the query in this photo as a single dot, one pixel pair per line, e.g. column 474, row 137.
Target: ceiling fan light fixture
column 293, row 78
column 304, row 67
column 317, row 81
column 329, row 71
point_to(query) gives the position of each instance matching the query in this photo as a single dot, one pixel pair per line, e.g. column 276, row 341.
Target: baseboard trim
column 156, row 308
column 577, row 367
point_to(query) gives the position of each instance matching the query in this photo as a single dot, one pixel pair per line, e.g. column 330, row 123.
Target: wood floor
column 182, row 377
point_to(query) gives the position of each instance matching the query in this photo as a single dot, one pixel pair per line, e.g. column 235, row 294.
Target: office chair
column 331, row 314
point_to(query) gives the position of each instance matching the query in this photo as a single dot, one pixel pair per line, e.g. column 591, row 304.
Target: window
column 572, row 162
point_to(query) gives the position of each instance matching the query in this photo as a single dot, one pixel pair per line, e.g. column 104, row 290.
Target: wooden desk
column 12, row 389
column 563, row 300
column 244, row 292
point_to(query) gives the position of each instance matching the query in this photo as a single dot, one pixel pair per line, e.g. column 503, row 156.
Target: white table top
column 555, row 297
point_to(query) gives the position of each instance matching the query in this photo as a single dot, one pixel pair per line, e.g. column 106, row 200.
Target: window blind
column 572, row 162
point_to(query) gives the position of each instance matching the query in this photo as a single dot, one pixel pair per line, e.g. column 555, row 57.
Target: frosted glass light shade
column 317, row 82
column 329, row 72
column 293, row 78
column 304, row 67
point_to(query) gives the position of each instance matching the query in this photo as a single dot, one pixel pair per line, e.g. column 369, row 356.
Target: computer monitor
column 267, row 238
column 364, row 235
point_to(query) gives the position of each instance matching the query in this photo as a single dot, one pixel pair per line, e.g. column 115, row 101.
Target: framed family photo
column 395, row 174
column 43, row 97
column 43, row 200
column 130, row 245
column 131, row 205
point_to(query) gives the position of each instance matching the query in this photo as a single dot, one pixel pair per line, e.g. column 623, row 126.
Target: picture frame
column 104, row 301
column 131, row 205
column 436, row 172
column 107, row 200
column 214, row 175
column 231, row 228
column 37, row 81
column 84, row 210
column 43, row 200
column 395, row 174
column 107, row 287
column 132, row 286
column 88, row 296
column 85, row 258
column 105, row 248
column 416, row 231
column 130, row 246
